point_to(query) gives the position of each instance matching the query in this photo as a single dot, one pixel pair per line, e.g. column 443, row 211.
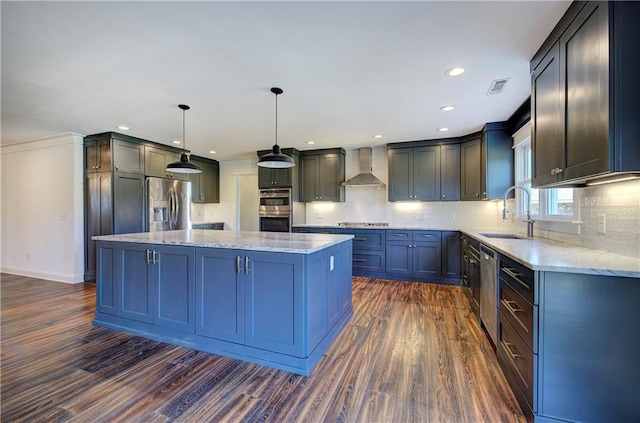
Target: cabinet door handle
column 148, row 256
column 358, row 260
column 513, row 310
column 443, row 195
column 155, row 257
column 359, row 239
column 238, row 258
column 246, row 264
column 117, row 167
column 477, row 194
column 507, row 346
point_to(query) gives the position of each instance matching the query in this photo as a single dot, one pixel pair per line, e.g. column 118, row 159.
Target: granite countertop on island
column 279, row 242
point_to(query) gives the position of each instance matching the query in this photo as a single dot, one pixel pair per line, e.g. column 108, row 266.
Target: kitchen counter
column 276, row 242
column 536, row 253
column 553, row 256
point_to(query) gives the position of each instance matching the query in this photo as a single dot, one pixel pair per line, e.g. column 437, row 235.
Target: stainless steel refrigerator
column 168, row 204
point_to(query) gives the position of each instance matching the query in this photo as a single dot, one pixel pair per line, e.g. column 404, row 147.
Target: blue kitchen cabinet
column 106, row 292
column 220, row 294
column 156, row 285
column 135, row 281
column 274, row 293
column 174, row 279
column 414, row 253
column 368, row 257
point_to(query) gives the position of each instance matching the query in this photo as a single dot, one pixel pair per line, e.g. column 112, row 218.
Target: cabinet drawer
column 518, row 276
column 516, row 357
column 426, row 236
column 365, row 239
column 518, row 311
column 398, row 235
column 368, row 260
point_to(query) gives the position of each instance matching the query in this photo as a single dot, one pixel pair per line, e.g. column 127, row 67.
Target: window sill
column 559, row 225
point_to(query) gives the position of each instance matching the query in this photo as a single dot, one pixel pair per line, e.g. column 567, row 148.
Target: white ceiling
column 349, row 70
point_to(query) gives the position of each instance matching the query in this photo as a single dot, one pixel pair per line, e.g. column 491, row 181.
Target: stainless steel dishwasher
column 489, row 291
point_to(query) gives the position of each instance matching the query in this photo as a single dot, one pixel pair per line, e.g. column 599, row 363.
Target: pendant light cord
column 184, row 139
column 276, row 119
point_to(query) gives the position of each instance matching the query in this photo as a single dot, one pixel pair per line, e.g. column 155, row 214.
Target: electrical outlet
column 199, row 213
column 28, row 256
column 318, row 215
column 63, row 217
column 420, row 215
column 602, row 224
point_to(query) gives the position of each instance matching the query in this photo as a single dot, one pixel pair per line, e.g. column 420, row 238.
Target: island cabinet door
column 106, row 293
column 274, row 302
column 135, row 281
column 220, row 294
column 174, row 274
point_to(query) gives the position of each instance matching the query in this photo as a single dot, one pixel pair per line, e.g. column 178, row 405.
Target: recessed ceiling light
column 176, row 142
column 443, row 129
column 123, row 128
column 454, row 71
column 212, row 152
column 447, row 108
column 377, row 136
column 311, row 142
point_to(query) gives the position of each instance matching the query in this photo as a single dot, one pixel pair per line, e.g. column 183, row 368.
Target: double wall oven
column 276, row 210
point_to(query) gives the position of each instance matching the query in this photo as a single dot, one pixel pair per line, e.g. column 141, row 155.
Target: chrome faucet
column 529, row 220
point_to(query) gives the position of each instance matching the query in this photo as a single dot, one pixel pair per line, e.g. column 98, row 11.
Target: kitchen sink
column 501, row 235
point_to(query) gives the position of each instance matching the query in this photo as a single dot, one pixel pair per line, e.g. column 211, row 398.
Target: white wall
column 42, row 208
column 368, row 204
column 619, row 202
column 226, row 211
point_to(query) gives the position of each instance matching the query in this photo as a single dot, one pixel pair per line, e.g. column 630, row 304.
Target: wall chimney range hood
column 365, row 178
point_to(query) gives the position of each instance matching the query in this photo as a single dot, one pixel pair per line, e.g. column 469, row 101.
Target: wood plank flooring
column 411, row 353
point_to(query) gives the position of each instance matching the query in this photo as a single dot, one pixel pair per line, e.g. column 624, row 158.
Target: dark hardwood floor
column 411, row 353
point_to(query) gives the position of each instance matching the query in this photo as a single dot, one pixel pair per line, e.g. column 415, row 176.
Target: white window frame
column 547, row 197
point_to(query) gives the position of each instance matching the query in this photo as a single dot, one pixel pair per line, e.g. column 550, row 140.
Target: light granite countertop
column 278, row 242
column 538, row 253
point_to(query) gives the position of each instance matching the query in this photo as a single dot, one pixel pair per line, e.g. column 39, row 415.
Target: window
column 546, row 204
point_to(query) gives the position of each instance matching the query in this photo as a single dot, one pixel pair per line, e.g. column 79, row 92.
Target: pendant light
column 184, row 165
column 276, row 159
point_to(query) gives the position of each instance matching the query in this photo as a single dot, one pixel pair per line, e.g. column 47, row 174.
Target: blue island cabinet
column 275, row 308
column 157, row 285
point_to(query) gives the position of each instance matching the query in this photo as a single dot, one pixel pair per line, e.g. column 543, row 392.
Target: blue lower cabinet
column 427, row 258
column 399, row 257
column 220, row 294
column 135, row 281
column 106, row 292
column 273, row 297
column 156, row 285
column 174, row 281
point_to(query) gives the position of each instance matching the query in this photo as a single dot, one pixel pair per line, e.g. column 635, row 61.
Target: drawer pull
column 359, row 239
column 358, row 260
column 507, row 346
column 511, row 272
column 426, row 236
column 402, row 235
column 513, row 310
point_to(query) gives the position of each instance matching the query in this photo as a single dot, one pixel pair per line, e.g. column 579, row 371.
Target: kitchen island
column 277, row 299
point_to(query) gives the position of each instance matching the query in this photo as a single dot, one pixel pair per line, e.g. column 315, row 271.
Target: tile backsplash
column 619, row 203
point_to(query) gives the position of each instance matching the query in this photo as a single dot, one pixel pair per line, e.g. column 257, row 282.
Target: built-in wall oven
column 275, row 210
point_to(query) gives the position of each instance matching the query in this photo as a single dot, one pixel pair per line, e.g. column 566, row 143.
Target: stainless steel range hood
column 365, row 178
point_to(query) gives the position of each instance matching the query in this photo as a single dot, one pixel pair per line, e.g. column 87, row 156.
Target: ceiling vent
column 497, row 86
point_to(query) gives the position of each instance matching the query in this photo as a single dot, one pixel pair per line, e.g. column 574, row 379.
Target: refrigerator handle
column 172, row 209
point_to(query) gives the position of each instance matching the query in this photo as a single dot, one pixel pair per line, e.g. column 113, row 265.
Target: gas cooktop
column 362, row 224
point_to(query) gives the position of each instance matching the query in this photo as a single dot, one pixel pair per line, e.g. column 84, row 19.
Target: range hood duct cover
column 365, row 178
